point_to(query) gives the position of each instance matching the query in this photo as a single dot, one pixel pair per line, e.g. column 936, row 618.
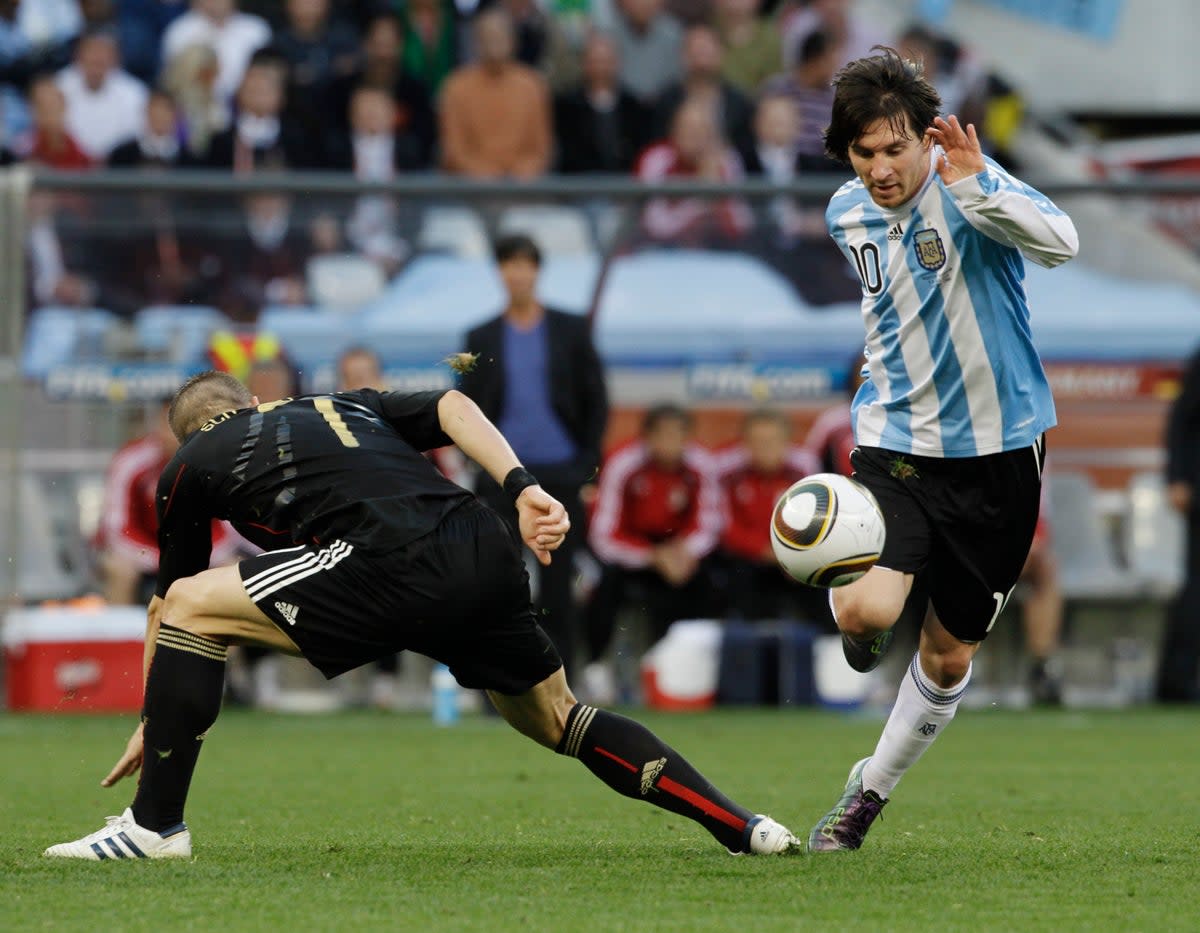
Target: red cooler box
column 67, row 660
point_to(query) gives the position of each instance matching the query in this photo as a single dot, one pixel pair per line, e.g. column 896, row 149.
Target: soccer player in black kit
column 369, row 551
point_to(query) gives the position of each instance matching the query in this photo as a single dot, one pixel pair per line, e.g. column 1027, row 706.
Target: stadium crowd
column 514, row 89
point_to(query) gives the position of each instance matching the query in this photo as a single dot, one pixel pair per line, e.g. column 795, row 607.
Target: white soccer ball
column 827, row 530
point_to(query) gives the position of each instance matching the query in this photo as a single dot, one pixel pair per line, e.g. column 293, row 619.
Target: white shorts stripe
column 264, row 578
column 250, row 581
column 264, row 584
column 295, row 578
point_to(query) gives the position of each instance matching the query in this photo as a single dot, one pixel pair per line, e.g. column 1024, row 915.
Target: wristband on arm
column 517, row 481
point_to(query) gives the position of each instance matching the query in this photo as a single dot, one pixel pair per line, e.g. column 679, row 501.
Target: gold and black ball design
column 823, row 517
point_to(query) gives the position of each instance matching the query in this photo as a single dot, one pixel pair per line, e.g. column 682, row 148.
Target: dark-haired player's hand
column 963, row 156
column 129, row 762
column 543, row 522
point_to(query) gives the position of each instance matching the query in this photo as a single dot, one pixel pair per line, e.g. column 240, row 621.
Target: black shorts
column 961, row 525
column 459, row 595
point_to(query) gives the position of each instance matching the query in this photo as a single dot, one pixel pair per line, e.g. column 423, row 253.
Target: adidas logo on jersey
column 650, row 772
column 288, row 611
column 896, row 233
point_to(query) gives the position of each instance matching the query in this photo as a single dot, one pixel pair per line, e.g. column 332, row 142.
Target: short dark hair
column 202, row 396
column 517, row 246
column 881, row 87
column 667, row 411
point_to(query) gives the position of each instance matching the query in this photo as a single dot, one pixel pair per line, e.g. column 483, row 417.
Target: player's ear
column 254, row 402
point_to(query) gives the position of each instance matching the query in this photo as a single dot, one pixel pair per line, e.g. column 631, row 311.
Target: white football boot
column 768, row 837
column 121, row 837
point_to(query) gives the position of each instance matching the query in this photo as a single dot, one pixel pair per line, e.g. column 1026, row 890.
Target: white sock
column 922, row 711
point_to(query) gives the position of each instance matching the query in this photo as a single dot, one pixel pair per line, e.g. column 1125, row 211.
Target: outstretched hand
column 543, row 522
column 962, row 156
column 129, row 762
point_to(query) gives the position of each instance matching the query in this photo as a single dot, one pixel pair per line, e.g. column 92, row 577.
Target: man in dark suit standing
column 538, row 378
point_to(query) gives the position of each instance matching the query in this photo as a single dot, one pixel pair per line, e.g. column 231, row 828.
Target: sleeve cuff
column 973, row 187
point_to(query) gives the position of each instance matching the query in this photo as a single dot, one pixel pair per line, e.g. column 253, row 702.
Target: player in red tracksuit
column 127, row 538
column 657, row 518
column 754, row 474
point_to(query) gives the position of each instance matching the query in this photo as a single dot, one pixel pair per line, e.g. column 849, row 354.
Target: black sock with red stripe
column 183, row 698
column 633, row 761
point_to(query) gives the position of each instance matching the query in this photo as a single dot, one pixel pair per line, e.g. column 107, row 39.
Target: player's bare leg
column 929, row 695
column 199, row 618
column 634, row 762
column 1041, row 615
column 866, row 612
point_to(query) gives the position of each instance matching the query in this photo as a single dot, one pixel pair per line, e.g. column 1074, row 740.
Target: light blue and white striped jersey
column 953, row 371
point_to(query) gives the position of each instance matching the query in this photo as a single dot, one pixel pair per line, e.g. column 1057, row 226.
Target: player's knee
column 865, row 615
column 183, row 606
column 946, row 666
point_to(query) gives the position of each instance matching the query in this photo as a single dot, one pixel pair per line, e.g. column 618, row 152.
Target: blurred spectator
column 1041, row 615
column 968, row 90
column 791, row 235
column 317, row 48
column 53, row 145
column 808, row 84
column 538, row 378
column 960, row 81
column 50, row 25
column 127, row 538
column 191, row 79
column 156, row 145
column 430, row 49
column 658, row 515
column 751, row 43
column 1177, row 676
column 755, row 475
column 853, row 33
column 495, row 115
column 259, row 134
column 773, row 153
column 318, row 51
column 375, row 151
column 649, row 42
column 541, row 42
column 234, row 36
column 381, row 67
column 105, row 105
column 694, row 150
column 140, row 26
column 702, row 83
column 601, row 127
column 18, row 63
column 373, row 109
column 261, row 264
column 58, row 271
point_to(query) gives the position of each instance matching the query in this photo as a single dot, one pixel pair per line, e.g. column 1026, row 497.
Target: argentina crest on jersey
column 931, row 251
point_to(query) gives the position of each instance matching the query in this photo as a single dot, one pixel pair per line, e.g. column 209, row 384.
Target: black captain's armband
column 517, row 480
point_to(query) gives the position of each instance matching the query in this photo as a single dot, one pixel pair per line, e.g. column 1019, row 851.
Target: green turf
column 1014, row 822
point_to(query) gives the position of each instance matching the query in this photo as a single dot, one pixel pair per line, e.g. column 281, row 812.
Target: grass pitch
column 1038, row 821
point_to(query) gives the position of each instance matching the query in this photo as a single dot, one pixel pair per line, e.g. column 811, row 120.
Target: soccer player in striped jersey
column 949, row 425
column 370, row 551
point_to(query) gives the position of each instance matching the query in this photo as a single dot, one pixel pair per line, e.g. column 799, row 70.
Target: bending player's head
column 202, row 397
column 882, row 106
